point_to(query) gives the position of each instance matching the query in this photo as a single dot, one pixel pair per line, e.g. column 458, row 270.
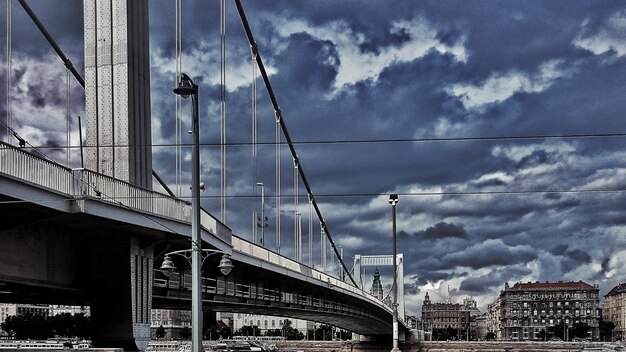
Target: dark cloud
column 443, row 230
column 569, row 90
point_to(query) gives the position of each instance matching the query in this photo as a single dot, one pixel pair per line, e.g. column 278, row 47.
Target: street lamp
column 262, row 220
column 186, row 87
column 393, row 200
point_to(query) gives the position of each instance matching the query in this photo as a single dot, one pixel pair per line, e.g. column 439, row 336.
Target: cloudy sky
column 499, row 123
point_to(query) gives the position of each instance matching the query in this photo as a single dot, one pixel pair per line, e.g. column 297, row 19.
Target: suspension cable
column 68, row 117
column 285, row 132
column 223, row 110
column 277, row 173
column 9, row 57
column 296, row 213
column 254, row 147
column 178, row 98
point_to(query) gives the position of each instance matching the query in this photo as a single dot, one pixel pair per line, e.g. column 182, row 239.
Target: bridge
column 97, row 235
column 67, row 235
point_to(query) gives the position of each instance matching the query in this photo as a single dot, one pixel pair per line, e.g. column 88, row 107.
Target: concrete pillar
column 117, row 90
column 120, row 292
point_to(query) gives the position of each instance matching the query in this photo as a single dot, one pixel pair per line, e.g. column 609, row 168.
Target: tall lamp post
column 393, row 200
column 262, row 220
column 186, row 87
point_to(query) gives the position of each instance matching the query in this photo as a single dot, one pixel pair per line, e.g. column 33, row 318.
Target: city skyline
column 455, row 106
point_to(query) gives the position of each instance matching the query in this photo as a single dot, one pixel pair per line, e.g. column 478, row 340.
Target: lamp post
column 186, row 87
column 262, row 220
column 393, row 200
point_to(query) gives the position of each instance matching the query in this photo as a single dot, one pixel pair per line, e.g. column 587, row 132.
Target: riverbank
column 448, row 346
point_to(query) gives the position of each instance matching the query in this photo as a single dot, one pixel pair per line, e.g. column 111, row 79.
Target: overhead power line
column 376, row 141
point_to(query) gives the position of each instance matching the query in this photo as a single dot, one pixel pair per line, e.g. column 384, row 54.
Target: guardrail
column 255, row 251
column 20, row 164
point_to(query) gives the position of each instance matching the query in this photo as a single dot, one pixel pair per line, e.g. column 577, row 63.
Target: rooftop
column 567, row 285
column 621, row 288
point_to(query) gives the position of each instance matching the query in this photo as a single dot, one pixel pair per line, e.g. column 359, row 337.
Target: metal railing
column 253, row 250
column 22, row 165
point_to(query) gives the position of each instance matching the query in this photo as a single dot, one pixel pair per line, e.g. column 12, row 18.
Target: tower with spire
column 377, row 287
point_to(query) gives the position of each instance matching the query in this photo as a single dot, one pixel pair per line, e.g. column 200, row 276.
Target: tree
column 580, row 330
column 185, row 333
column 160, row 332
column 606, row 330
column 226, row 332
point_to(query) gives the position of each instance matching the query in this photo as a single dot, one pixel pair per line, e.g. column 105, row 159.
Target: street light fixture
column 225, row 265
column 262, row 220
column 393, row 200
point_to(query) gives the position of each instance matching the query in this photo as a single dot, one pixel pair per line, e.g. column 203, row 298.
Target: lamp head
column 393, row 199
column 186, row 87
column 168, row 266
column 226, row 266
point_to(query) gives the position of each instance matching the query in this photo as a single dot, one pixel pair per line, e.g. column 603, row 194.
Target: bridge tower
column 361, row 261
column 117, row 90
column 118, row 144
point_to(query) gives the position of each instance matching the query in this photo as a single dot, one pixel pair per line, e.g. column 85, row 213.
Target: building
column 531, row 310
column 73, row 310
column 450, row 315
column 479, row 326
column 377, row 286
column 267, row 322
column 173, row 321
column 614, row 310
column 11, row 309
column 493, row 319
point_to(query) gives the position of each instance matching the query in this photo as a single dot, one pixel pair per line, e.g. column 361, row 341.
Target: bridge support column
column 120, row 293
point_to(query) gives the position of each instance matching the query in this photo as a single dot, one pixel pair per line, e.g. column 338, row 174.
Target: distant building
column 173, row 321
column 450, row 315
column 480, row 326
column 73, row 310
column 614, row 310
column 11, row 309
column 493, row 319
column 377, row 286
column 529, row 308
column 267, row 322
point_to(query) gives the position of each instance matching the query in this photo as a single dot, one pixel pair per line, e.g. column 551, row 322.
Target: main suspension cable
column 285, row 132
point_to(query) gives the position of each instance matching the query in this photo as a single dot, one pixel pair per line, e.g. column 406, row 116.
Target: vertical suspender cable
column 310, row 232
column 277, row 171
column 9, row 54
column 178, row 98
column 223, row 110
column 296, row 213
column 283, row 126
column 254, row 148
column 67, row 119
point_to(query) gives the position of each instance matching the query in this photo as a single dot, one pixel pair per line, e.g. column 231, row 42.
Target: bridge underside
column 250, row 290
column 56, row 250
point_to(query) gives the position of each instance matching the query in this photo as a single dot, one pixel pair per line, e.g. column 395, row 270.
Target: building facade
column 531, row 310
column 614, row 310
column 267, row 322
column 10, row 309
column 450, row 315
column 493, row 319
column 172, row 320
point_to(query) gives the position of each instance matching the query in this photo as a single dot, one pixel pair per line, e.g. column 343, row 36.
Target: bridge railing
column 258, row 252
column 23, row 165
column 180, row 286
column 79, row 183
